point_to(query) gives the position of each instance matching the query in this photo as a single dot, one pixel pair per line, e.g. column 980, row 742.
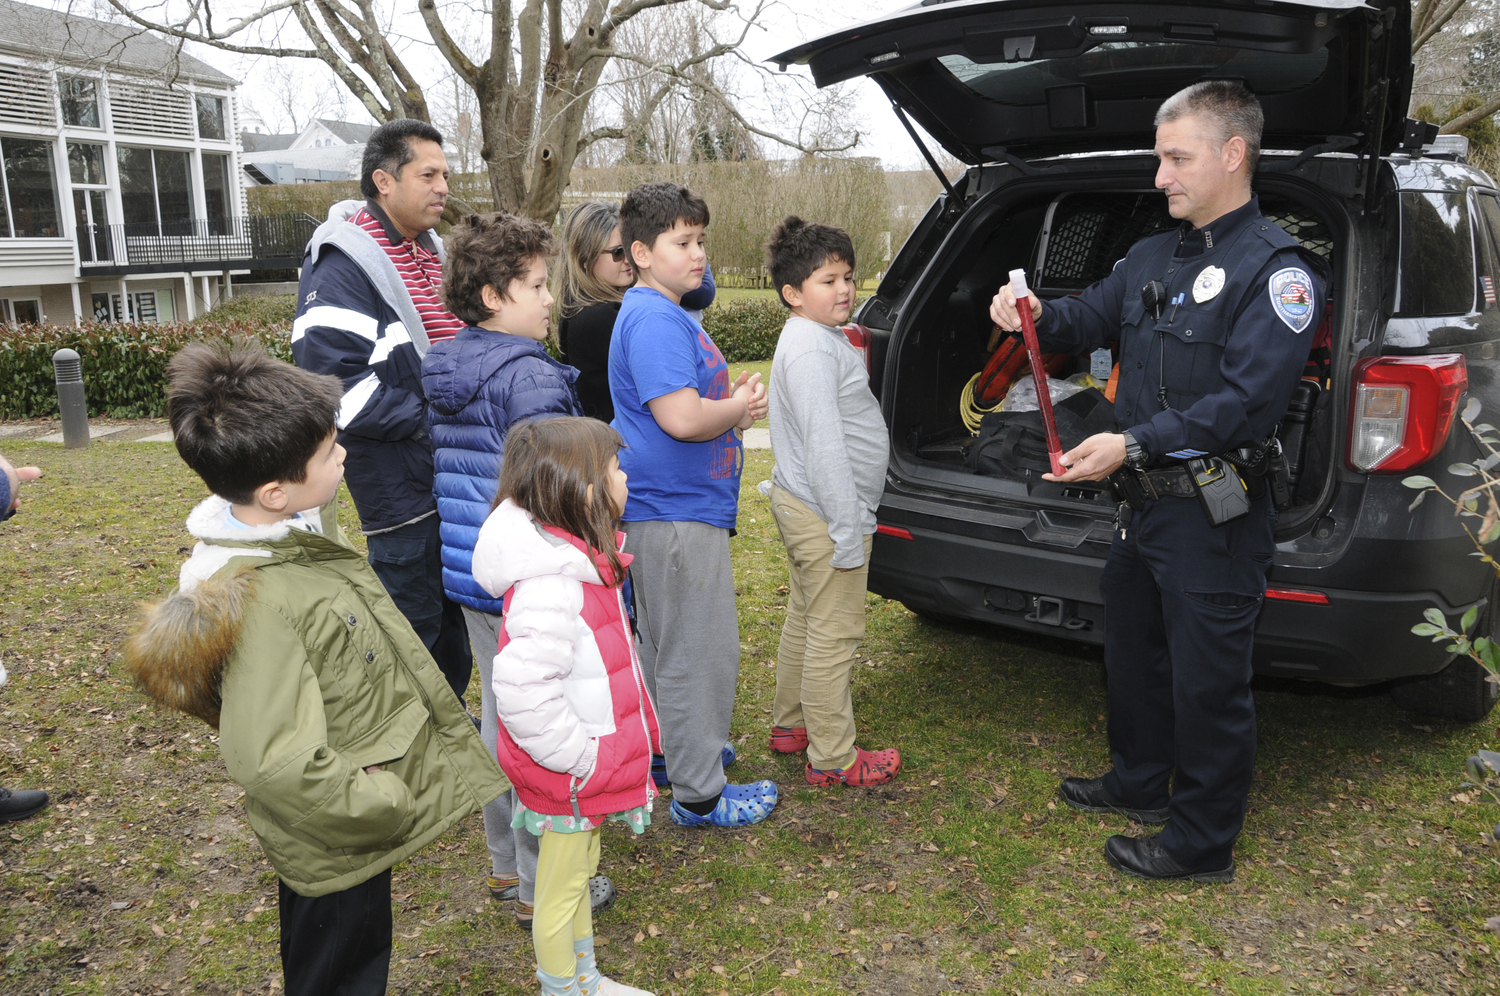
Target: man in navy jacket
column 369, row 305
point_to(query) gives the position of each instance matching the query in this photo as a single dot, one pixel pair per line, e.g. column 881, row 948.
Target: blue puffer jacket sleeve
column 697, row 300
column 478, row 385
column 5, row 498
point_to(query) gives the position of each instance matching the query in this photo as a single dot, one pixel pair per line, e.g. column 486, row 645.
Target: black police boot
column 20, row 805
column 1088, row 794
column 1144, row 857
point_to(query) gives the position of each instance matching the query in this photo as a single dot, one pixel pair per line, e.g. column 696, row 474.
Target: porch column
column 228, row 286
column 208, row 294
column 124, row 302
column 77, row 305
column 187, row 297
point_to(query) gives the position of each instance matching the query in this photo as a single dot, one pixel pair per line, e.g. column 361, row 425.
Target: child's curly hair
column 490, row 250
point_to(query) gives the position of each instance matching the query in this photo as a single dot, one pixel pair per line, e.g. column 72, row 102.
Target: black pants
column 339, row 944
column 1180, row 602
column 409, row 563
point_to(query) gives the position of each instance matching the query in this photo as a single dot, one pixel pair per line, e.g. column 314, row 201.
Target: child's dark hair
column 653, row 208
column 550, row 464
column 490, row 249
column 242, row 419
column 797, row 249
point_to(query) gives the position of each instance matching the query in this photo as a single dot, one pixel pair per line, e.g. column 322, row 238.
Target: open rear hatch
column 995, row 79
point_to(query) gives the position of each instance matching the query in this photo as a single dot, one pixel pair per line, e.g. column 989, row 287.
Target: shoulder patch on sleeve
column 1291, row 292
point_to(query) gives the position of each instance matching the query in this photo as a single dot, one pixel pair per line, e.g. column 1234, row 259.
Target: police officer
column 1205, row 368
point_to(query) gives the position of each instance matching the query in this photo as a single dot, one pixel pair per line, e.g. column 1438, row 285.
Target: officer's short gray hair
column 1226, row 105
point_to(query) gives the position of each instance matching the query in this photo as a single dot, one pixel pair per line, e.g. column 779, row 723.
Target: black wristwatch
column 1135, row 457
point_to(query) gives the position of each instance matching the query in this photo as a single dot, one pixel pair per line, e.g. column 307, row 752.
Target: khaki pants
column 563, row 914
column 825, row 620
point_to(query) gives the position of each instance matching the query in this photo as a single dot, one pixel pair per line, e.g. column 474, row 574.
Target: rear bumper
column 1357, row 637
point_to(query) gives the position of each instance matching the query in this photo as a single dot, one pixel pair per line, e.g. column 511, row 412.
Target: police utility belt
column 1224, row 485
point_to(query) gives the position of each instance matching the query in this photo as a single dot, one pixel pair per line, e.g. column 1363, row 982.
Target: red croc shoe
column 869, row 768
column 788, row 739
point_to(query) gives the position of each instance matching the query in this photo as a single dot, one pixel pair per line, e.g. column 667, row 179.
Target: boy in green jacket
column 352, row 751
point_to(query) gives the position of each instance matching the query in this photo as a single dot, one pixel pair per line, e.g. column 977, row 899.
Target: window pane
column 1437, row 255
column 173, row 191
column 86, row 162
column 137, row 192
column 80, row 103
column 216, row 192
column 210, row 116
column 33, row 195
column 1486, row 266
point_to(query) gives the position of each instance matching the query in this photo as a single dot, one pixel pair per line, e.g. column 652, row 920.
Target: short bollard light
column 67, row 367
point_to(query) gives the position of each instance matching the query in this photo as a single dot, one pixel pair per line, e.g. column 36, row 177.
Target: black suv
column 1052, row 104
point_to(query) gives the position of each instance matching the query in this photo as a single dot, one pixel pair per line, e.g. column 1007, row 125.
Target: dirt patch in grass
column 1359, row 872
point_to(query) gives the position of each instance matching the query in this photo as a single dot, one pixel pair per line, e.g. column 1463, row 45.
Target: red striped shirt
column 422, row 271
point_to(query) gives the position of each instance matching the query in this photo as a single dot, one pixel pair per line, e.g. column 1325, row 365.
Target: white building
column 324, row 150
column 118, row 170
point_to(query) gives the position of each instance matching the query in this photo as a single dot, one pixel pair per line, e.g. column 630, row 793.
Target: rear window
column 1437, row 255
column 1137, row 70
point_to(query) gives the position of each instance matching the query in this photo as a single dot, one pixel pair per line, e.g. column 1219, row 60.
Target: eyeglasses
column 616, row 253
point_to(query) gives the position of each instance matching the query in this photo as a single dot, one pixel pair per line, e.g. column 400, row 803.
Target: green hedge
column 124, row 366
column 263, row 309
column 746, row 330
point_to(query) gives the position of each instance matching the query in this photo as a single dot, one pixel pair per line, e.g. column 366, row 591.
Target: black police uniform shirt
column 1243, row 303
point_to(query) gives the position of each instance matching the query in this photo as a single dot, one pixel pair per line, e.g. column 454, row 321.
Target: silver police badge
column 1208, row 284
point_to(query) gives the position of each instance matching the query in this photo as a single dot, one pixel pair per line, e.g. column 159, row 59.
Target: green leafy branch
column 1466, row 505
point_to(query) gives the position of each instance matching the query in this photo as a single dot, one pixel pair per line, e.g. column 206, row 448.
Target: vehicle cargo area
column 947, row 373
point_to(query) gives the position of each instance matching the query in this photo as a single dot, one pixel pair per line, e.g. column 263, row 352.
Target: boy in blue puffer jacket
column 478, row 384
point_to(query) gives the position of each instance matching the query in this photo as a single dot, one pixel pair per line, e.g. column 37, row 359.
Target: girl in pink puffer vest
column 577, row 726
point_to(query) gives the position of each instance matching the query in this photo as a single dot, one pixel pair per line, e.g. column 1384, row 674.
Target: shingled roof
column 38, row 32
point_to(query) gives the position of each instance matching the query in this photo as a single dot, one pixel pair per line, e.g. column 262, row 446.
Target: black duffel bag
column 1010, row 444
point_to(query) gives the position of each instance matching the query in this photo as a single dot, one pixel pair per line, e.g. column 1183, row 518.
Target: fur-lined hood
column 178, row 655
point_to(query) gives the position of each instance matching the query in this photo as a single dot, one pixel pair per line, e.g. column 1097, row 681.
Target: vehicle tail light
column 895, row 531
column 1403, row 409
column 859, row 338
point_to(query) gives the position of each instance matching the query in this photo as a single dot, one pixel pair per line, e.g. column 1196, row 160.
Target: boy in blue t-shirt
column 681, row 418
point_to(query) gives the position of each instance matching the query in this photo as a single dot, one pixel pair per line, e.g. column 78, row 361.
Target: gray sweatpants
column 690, row 645
column 512, row 852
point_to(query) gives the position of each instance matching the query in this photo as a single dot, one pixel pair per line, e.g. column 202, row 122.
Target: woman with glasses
column 595, row 275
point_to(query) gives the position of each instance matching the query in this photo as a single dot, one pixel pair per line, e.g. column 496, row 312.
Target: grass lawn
column 1359, row 870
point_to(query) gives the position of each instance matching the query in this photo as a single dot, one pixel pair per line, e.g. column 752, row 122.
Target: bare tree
column 533, row 86
column 287, row 98
column 661, row 95
column 1452, row 43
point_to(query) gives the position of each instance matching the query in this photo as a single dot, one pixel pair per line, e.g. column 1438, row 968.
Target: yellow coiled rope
column 970, row 410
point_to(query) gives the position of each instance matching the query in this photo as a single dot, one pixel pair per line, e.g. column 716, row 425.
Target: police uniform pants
column 1180, row 602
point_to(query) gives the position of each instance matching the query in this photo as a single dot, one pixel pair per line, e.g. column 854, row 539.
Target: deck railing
column 202, row 242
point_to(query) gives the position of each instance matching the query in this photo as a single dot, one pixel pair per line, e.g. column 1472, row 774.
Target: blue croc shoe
column 659, row 765
column 739, row 806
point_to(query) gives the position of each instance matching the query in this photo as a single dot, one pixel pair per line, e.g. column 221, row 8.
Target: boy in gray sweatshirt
column 830, row 445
